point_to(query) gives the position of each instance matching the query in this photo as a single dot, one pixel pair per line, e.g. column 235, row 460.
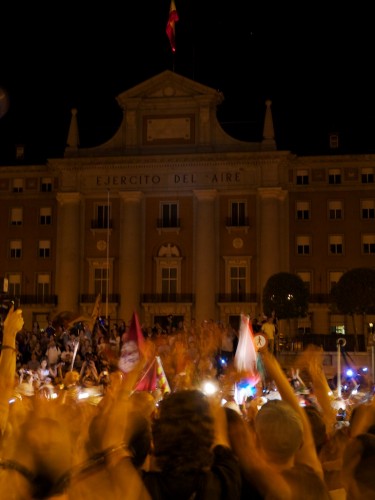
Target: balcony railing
column 167, row 297
column 237, row 222
column 101, row 224
column 237, row 297
column 48, row 300
column 327, row 342
column 88, row 298
column 168, row 223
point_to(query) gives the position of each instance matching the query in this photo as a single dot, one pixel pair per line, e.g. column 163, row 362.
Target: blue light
column 349, row 373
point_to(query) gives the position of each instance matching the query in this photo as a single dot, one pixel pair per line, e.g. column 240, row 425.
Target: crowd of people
column 181, row 443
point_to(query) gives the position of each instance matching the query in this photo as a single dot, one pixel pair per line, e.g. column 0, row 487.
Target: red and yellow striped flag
column 171, row 25
column 161, row 377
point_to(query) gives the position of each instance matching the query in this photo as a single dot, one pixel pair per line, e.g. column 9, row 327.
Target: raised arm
column 322, row 391
column 307, row 453
column 12, row 325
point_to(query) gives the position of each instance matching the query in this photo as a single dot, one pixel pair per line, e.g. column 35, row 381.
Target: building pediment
column 169, row 85
column 166, row 114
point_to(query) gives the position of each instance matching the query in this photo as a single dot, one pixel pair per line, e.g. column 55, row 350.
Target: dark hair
column 359, row 463
column 183, row 432
column 140, row 439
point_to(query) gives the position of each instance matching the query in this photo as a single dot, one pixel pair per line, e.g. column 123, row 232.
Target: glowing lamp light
column 209, row 388
column 349, row 373
column 338, row 404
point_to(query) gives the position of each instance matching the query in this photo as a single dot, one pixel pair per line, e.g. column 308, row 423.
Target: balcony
column 326, row 342
column 237, row 224
column 167, row 297
column 101, row 224
column 168, row 225
column 44, row 300
column 237, row 297
column 90, row 298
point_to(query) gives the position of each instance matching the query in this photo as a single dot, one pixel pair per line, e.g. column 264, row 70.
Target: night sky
column 313, row 60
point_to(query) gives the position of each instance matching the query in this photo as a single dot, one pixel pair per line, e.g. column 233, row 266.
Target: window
column 338, row 329
column 100, row 276
column 238, row 281
column 102, row 216
column 14, row 284
column 333, row 278
column 15, row 249
column 303, row 245
column 17, row 185
column 367, row 175
column 336, row 245
column 16, row 216
column 100, row 280
column 302, row 177
column 303, row 210
column 43, row 286
column 368, row 244
column 237, row 278
column 334, row 176
column 238, row 213
column 306, row 278
column 169, row 280
column 44, row 249
column 368, row 209
column 169, row 214
column 335, row 210
column 45, row 216
column 46, row 185
column 168, row 270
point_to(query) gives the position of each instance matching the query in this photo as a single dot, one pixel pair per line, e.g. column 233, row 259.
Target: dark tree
column 285, row 295
column 354, row 294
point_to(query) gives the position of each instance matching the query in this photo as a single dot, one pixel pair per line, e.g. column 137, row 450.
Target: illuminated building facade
column 172, row 217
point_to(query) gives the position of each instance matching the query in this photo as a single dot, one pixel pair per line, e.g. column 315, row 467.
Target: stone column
column 273, row 234
column 68, row 251
column 205, row 256
column 131, row 252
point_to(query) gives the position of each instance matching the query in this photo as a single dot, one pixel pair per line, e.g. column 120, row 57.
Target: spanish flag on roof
column 171, row 25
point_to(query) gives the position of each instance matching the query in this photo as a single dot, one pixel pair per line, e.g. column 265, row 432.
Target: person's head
column 183, row 432
column 358, row 467
column 279, row 430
